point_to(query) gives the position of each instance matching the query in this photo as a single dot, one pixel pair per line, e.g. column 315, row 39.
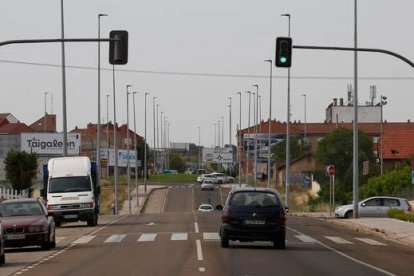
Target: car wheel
column 2, row 259
column 93, row 221
column 58, row 223
column 280, row 243
column 349, row 214
column 224, row 240
column 52, row 243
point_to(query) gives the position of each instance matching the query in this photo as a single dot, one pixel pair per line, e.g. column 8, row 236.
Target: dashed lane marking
column 115, row 238
column 147, row 237
column 338, row 240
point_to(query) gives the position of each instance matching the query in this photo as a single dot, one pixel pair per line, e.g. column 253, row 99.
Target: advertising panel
column 122, row 158
column 218, row 155
column 49, row 143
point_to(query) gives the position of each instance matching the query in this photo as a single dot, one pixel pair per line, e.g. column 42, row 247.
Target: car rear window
column 255, row 199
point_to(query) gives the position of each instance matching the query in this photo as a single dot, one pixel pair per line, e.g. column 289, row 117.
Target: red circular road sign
column 331, row 170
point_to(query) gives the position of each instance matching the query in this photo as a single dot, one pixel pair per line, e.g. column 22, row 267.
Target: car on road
column 209, row 176
column 25, row 222
column 377, row 206
column 207, row 185
column 2, row 254
column 204, row 207
column 223, row 177
column 253, row 214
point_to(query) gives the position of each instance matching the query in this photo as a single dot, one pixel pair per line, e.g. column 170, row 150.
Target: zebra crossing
column 210, row 236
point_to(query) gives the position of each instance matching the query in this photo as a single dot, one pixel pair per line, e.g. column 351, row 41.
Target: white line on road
column 83, row 239
column 199, row 250
column 147, row 237
column 211, row 236
column 370, row 241
column 115, row 238
column 338, row 240
column 179, row 236
column 196, row 227
column 305, row 238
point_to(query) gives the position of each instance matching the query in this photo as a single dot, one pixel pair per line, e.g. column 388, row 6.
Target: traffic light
column 118, row 49
column 283, row 52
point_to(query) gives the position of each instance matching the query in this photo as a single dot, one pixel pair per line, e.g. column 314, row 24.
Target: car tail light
column 225, row 217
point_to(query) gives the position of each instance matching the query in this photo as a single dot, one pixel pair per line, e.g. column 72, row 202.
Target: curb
column 144, row 205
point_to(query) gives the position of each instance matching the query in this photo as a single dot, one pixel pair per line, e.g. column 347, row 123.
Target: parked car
column 212, row 177
column 207, row 185
column 25, row 222
column 223, row 177
column 204, row 207
column 200, row 171
column 2, row 254
column 376, row 206
column 253, row 214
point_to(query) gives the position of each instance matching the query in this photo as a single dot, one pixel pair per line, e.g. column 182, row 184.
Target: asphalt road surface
column 175, row 239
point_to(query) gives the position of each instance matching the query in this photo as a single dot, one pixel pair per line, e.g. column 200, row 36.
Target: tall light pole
column 355, row 180
column 158, row 145
column 98, row 127
column 256, row 116
column 215, row 134
column 304, row 138
column 248, row 142
column 288, row 130
column 128, row 142
column 65, row 128
column 45, row 120
column 135, row 147
column 240, row 142
column 115, row 146
column 222, row 131
column 153, row 124
column 145, row 142
column 161, row 143
column 199, row 149
column 107, row 135
column 230, row 144
column 382, row 103
column 269, row 172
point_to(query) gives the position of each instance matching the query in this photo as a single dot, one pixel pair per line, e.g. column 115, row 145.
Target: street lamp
column 304, row 139
column 98, row 138
column 287, row 129
column 145, row 142
column 240, row 142
column 135, row 146
column 45, row 120
column 107, row 135
column 248, row 141
column 270, row 123
column 382, row 103
column 65, row 128
column 128, row 142
column 153, row 123
column 199, row 149
column 256, row 116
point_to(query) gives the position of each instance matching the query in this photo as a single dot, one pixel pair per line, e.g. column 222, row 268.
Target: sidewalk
column 142, row 199
column 392, row 229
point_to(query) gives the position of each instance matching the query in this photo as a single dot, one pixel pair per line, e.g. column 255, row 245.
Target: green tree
column 177, row 163
column 21, row 167
column 279, row 150
column 337, row 149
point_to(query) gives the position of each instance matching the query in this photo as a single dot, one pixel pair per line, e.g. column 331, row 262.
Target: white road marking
column 83, row 239
column 196, row 227
column 199, row 250
column 179, row 236
column 147, row 237
column 338, row 240
column 370, row 241
column 115, row 238
column 201, row 269
column 305, row 238
column 211, row 236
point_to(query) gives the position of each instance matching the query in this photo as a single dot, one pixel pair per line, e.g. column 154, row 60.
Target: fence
column 12, row 194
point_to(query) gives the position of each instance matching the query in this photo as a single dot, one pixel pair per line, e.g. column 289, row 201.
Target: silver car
column 376, row 206
column 207, row 185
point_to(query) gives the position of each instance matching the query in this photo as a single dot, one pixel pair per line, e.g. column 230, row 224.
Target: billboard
column 218, row 155
column 122, row 158
column 49, row 143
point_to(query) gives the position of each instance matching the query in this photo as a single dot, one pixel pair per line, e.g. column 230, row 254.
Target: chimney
column 335, row 101
column 341, row 101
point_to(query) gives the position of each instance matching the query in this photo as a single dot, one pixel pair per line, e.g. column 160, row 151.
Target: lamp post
column 107, row 135
column 240, row 142
column 230, row 144
column 65, row 128
column 355, row 174
column 199, row 149
column 383, row 102
column 45, row 119
column 128, row 142
column 158, row 145
column 135, row 146
column 304, row 138
column 287, row 129
column 153, row 123
column 256, row 116
column 161, row 143
column 270, row 123
column 145, row 142
column 115, row 146
column 215, row 134
column 248, row 142
column 98, row 127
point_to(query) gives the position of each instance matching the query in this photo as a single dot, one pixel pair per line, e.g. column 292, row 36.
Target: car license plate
column 70, row 216
column 254, row 222
column 15, row 237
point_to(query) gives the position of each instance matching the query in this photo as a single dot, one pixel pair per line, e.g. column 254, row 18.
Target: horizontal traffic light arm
column 7, row 42
column 356, row 49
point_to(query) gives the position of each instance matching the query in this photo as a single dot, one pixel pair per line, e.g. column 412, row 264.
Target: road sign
column 331, row 170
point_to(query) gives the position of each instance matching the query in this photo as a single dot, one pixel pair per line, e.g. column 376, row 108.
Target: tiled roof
column 15, row 128
column 398, row 144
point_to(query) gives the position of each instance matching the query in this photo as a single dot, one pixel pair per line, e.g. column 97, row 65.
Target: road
column 174, row 239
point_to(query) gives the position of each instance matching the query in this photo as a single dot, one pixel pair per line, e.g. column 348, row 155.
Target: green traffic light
column 283, row 59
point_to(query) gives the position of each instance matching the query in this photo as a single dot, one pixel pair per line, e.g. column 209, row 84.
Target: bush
column 401, row 215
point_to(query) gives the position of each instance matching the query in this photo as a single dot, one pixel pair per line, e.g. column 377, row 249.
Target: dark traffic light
column 283, row 52
column 118, row 49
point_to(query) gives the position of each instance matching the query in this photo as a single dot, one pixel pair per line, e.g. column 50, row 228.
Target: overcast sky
column 192, row 55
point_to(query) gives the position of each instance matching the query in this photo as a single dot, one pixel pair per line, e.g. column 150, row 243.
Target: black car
column 253, row 214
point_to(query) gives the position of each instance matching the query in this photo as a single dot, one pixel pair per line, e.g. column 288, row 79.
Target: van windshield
column 70, row 184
